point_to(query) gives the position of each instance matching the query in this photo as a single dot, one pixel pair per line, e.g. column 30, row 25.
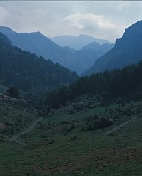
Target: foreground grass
column 52, row 151
column 15, row 117
column 76, row 154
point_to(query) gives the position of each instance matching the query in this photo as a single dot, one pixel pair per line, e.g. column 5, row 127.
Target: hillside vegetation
column 71, row 134
column 107, row 86
column 88, row 126
column 68, row 141
column 15, row 115
column 29, row 73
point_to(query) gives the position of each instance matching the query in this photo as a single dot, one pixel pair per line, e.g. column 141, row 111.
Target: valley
column 75, row 60
column 55, row 123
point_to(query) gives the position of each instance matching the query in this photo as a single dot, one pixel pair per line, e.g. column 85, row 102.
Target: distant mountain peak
column 76, row 60
column 127, row 50
column 76, row 42
column 83, row 35
column 6, row 29
column 132, row 35
column 38, row 32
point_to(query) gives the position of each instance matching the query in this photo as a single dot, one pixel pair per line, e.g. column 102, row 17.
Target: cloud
column 123, row 6
column 21, row 18
column 87, row 19
column 89, row 23
column 29, row 20
column 4, row 14
column 105, row 19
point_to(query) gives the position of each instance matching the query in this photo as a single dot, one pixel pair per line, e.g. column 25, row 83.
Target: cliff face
column 127, row 50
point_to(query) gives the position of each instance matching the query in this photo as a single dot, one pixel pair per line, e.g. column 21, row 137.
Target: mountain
column 35, row 42
column 127, row 50
column 88, row 54
column 4, row 39
column 101, row 49
column 40, row 45
column 28, row 72
column 76, row 42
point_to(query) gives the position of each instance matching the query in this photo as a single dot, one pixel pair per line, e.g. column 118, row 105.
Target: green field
column 60, row 145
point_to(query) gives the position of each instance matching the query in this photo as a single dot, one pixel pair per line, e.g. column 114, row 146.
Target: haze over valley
column 76, row 60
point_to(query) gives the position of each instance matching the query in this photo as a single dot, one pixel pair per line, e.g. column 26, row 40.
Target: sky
column 100, row 19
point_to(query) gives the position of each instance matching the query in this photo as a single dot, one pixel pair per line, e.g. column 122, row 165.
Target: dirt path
column 120, row 126
column 15, row 138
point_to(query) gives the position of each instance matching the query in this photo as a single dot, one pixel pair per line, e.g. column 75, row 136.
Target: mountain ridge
column 37, row 43
column 127, row 50
column 30, row 73
column 76, row 42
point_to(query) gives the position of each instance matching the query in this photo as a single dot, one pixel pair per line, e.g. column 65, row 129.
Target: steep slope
column 28, row 72
column 35, row 42
column 4, row 39
column 76, row 42
column 88, row 55
column 42, row 46
column 127, row 50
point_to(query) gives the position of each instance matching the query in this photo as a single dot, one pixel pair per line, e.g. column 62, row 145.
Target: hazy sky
column 101, row 19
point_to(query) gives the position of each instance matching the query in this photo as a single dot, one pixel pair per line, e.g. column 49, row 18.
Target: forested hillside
column 37, row 43
column 28, row 72
column 125, row 82
column 127, row 50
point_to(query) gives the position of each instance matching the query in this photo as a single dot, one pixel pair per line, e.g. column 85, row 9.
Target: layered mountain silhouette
column 99, row 48
column 28, row 72
column 127, row 50
column 37, row 43
column 34, row 42
column 77, row 42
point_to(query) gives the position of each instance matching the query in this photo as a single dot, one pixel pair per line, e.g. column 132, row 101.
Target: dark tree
column 13, row 92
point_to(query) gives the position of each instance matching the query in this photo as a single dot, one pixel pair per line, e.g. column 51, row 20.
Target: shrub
column 105, row 122
column 97, row 122
column 13, row 92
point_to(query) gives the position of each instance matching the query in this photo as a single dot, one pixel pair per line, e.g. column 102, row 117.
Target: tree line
column 125, row 82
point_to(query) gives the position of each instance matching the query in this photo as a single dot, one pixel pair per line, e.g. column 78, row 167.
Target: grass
column 15, row 117
column 88, row 154
column 50, row 151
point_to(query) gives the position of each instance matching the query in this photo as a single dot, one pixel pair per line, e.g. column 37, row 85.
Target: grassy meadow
column 60, row 145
